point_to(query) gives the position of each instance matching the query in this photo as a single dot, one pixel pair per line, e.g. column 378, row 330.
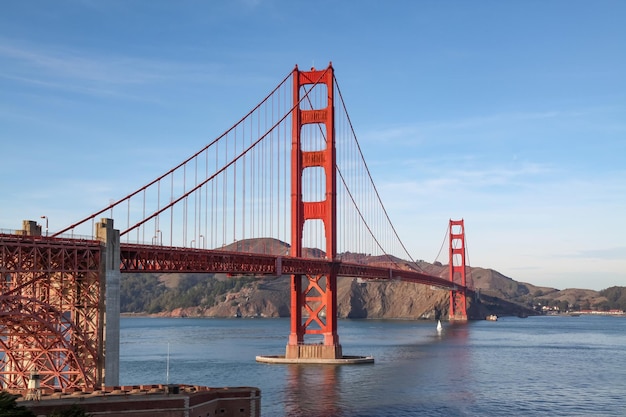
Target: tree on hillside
column 137, row 292
column 144, row 293
column 563, row 305
column 603, row 306
column 9, row 407
column 616, row 298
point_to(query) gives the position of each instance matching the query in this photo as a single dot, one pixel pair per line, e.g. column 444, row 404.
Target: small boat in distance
column 491, row 317
column 439, row 326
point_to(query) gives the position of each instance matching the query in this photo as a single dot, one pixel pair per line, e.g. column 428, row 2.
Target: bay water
column 538, row 366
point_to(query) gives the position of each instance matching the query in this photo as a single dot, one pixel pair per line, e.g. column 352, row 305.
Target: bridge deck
column 147, row 258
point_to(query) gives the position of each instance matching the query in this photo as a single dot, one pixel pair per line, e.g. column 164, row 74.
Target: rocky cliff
column 355, row 299
column 270, row 297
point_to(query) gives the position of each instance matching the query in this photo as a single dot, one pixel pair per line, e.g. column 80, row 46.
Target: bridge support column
column 110, row 310
column 313, row 297
column 458, row 300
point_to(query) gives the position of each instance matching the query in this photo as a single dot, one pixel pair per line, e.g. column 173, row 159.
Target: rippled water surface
column 557, row 366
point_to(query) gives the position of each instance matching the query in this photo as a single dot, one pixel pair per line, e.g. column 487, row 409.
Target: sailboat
column 439, row 327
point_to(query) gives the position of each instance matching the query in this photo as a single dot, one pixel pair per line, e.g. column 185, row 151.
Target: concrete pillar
column 29, row 228
column 110, row 276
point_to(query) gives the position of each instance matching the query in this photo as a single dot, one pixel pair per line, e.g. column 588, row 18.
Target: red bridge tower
column 318, row 300
column 458, row 304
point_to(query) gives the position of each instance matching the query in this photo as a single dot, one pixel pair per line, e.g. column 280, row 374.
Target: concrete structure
column 316, row 359
column 110, row 278
column 153, row 401
column 29, row 228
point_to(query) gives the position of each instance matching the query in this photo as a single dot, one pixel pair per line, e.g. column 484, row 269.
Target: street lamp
column 192, row 242
column 202, row 243
column 157, row 239
column 46, row 217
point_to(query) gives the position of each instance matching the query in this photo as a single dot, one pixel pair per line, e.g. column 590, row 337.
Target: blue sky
column 511, row 115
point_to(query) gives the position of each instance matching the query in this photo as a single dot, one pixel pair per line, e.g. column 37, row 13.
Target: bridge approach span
column 164, row 259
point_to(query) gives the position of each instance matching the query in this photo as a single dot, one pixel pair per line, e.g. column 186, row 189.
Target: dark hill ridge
column 215, row 295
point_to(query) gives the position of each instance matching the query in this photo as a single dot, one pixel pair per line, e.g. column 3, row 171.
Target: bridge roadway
column 149, row 258
column 56, row 276
column 156, row 258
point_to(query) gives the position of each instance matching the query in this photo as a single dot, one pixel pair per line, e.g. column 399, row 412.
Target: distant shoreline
column 568, row 314
column 596, row 313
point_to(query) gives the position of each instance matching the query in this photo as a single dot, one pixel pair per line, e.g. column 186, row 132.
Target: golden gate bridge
column 291, row 169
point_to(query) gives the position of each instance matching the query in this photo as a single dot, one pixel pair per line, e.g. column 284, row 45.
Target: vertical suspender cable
column 224, row 195
column 271, row 185
column 284, row 175
column 195, row 203
column 127, row 219
column 206, row 199
column 243, row 185
column 172, row 211
column 214, row 196
column 143, row 229
column 258, row 182
column 156, row 221
column 253, row 199
column 185, row 206
column 235, row 191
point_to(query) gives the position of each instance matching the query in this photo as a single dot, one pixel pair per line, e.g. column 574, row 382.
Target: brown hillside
column 269, row 297
column 574, row 296
column 355, row 299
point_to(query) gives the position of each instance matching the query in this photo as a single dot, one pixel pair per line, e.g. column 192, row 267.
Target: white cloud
column 617, row 253
column 96, row 73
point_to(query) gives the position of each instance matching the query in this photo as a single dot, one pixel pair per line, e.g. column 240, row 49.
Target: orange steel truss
column 51, row 316
column 319, row 298
column 147, row 258
column 458, row 299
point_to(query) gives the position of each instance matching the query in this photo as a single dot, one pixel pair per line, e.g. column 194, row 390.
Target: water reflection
column 535, row 366
column 427, row 372
column 311, row 390
column 459, row 373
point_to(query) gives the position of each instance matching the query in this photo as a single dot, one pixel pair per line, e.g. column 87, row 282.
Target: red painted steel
column 146, row 258
column 319, row 299
column 51, row 319
column 52, row 298
column 52, row 293
column 458, row 299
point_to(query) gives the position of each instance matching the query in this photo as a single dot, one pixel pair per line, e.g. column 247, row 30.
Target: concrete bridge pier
column 313, row 351
column 110, row 309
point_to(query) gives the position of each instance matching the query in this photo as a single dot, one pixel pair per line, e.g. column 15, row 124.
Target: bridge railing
column 60, row 238
column 148, row 258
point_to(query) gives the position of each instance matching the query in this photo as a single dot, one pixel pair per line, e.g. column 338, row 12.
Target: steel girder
column 146, row 258
column 51, row 306
column 52, row 300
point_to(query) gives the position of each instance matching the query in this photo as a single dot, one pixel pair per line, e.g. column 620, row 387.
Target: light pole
column 157, row 238
column 192, row 242
column 46, row 217
column 202, row 243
